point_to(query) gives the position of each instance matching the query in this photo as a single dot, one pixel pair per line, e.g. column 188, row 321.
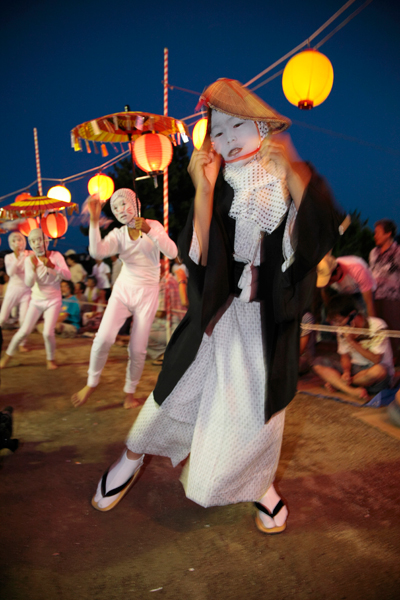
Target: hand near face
column 46, row 261
column 204, row 167
column 34, row 261
column 94, row 206
column 279, row 149
column 142, row 224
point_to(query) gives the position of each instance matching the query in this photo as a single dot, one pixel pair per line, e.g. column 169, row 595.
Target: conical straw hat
column 232, row 98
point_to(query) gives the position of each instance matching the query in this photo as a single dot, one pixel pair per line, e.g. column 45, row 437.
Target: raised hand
column 94, row 206
column 204, row 167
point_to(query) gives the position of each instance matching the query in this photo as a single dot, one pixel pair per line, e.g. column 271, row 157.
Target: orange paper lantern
column 102, row 186
column 199, row 133
column 26, row 227
column 54, row 225
column 307, row 79
column 22, row 196
column 153, row 152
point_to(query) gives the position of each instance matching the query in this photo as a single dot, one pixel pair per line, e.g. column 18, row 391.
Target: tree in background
column 357, row 240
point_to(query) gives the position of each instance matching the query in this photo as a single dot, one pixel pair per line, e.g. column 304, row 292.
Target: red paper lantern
column 23, row 196
column 153, row 152
column 54, row 225
column 27, row 226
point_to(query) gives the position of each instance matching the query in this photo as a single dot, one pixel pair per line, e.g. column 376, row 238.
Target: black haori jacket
column 284, row 296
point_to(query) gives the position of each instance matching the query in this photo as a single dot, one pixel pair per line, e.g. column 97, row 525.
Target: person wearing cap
column 347, row 275
column 251, row 244
column 78, row 273
column 17, row 293
column 44, row 271
column 135, row 292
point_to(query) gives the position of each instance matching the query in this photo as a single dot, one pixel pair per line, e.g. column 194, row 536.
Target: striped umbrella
column 32, row 206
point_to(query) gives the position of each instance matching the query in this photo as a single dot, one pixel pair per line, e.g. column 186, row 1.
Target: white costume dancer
column 135, row 292
column 44, row 272
column 17, row 293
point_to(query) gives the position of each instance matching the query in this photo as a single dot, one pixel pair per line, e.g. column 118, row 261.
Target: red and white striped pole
column 39, row 175
column 166, row 207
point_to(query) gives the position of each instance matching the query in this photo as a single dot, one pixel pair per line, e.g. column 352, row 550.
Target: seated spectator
column 307, row 345
column 79, row 290
column 347, row 275
column 78, row 273
column 91, row 292
column 366, row 361
column 69, row 319
column 91, row 320
column 384, row 261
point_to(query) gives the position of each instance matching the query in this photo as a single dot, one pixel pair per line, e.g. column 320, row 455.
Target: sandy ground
column 339, row 475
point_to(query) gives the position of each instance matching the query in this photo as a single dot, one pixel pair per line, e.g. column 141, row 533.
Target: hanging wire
column 307, row 41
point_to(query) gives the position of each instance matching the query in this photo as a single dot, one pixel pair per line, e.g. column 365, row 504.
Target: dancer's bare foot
column 23, row 348
column 82, row 396
column 4, row 361
column 130, row 401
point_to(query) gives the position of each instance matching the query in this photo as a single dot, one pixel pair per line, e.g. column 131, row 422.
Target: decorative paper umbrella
column 126, row 127
column 32, row 206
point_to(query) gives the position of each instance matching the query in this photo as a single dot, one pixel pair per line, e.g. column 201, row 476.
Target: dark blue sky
column 66, row 63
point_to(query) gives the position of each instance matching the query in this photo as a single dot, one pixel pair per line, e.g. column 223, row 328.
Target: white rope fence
column 392, row 333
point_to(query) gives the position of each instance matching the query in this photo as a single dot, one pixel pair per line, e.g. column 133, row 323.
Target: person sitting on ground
column 102, row 272
column 384, row 262
column 91, row 292
column 91, row 320
column 347, row 275
column 78, row 273
column 69, row 319
column 366, row 361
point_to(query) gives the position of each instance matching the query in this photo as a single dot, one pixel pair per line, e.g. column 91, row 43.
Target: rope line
column 392, row 333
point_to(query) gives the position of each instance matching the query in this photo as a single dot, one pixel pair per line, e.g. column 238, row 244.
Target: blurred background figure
column 102, row 272
column 69, row 319
column 307, row 344
column 346, row 275
column 384, row 261
column 78, row 273
column 17, row 293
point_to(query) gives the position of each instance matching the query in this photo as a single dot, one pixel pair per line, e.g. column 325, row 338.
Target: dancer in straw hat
column 251, row 243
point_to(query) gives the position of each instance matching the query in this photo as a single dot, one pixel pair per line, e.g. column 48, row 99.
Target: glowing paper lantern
column 22, row 196
column 54, row 225
column 153, row 152
column 102, row 186
column 199, row 133
column 307, row 79
column 59, row 192
column 27, row 226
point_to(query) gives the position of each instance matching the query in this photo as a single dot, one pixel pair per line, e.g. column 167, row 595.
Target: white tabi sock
column 270, row 500
column 118, row 474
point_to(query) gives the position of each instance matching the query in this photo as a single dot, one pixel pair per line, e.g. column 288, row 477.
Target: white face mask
column 124, row 206
column 38, row 242
column 235, row 139
column 17, row 241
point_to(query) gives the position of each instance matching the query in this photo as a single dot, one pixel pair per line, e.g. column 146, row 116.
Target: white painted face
column 38, row 242
column 124, row 206
column 234, row 138
column 17, row 241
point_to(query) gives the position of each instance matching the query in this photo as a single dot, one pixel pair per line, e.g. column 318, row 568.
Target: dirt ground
column 339, row 475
